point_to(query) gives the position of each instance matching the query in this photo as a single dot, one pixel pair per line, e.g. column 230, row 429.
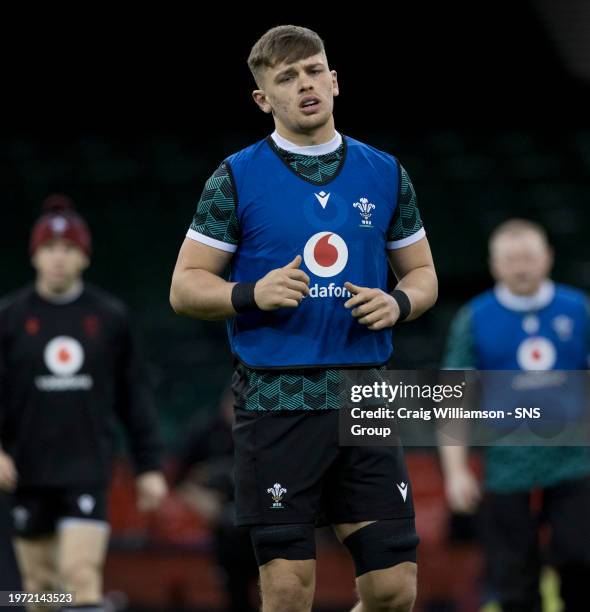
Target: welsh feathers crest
column 365, row 207
column 277, row 491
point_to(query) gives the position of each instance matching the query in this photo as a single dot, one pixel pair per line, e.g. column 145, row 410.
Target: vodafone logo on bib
column 325, row 254
column 536, row 353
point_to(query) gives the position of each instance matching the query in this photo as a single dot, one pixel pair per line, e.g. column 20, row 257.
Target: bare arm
column 197, row 288
column 199, row 291
column 461, row 484
column 453, row 459
column 414, row 269
column 462, row 488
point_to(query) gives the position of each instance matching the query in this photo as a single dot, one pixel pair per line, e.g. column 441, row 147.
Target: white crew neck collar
column 524, row 303
column 68, row 297
column 319, row 149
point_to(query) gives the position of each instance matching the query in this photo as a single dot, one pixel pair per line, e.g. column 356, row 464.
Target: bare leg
column 37, row 564
column 82, row 546
column 391, row 589
column 287, row 586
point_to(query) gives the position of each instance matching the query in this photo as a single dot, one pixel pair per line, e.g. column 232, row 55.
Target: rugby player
column 310, row 219
column 69, row 365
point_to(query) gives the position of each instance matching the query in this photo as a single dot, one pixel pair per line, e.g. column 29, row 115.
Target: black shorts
column 38, row 511
column 291, row 469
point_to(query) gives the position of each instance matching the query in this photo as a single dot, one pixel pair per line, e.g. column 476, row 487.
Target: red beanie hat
column 60, row 220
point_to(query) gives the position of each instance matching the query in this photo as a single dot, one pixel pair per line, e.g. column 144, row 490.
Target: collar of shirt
column 71, row 295
column 524, row 303
column 319, row 149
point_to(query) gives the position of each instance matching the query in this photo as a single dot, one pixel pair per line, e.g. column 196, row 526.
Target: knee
column 291, row 587
column 33, row 583
column 83, row 578
column 288, row 591
column 38, row 579
column 401, row 601
column 286, row 557
column 396, row 594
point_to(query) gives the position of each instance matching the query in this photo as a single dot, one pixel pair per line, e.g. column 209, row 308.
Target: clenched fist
column 462, row 490
column 372, row 307
column 282, row 288
column 151, row 490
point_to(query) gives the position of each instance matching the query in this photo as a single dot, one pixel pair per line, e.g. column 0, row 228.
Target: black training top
column 66, row 371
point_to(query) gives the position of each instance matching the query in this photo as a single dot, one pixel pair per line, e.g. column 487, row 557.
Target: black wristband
column 242, row 297
column 403, row 301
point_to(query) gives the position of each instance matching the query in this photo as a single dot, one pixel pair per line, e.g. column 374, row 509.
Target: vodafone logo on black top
column 325, row 254
column 63, row 357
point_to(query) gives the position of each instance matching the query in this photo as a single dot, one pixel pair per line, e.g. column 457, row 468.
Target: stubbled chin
column 314, row 120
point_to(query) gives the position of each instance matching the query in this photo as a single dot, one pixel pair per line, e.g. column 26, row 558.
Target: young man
column 68, row 365
column 309, row 219
column 525, row 323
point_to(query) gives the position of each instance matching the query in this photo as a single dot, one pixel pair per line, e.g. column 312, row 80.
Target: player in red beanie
column 68, row 365
column 60, row 220
column 60, row 247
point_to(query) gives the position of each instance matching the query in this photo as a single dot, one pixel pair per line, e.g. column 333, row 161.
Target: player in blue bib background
column 309, row 220
column 525, row 323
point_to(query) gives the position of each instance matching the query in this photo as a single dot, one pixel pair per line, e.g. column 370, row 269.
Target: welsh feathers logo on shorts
column 276, row 492
column 21, row 515
column 86, row 503
column 325, row 254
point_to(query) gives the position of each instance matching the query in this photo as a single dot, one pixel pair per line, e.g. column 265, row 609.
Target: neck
column 533, row 301
column 311, row 150
column 61, row 295
column 320, row 135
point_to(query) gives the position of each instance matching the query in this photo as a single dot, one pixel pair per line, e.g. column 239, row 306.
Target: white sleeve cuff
column 404, row 242
column 218, row 244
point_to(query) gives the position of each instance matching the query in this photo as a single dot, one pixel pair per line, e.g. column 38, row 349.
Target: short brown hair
column 517, row 227
column 285, row 43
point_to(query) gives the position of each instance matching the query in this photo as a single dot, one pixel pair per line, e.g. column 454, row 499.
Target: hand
column 283, row 287
column 372, row 307
column 207, row 503
column 151, row 490
column 8, row 473
column 462, row 490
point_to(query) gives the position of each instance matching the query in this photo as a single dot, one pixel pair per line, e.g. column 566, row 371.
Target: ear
column 492, row 267
column 550, row 258
column 261, row 100
column 335, row 88
column 85, row 262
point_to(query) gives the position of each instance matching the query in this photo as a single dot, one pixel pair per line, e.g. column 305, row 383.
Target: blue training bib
column 340, row 230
